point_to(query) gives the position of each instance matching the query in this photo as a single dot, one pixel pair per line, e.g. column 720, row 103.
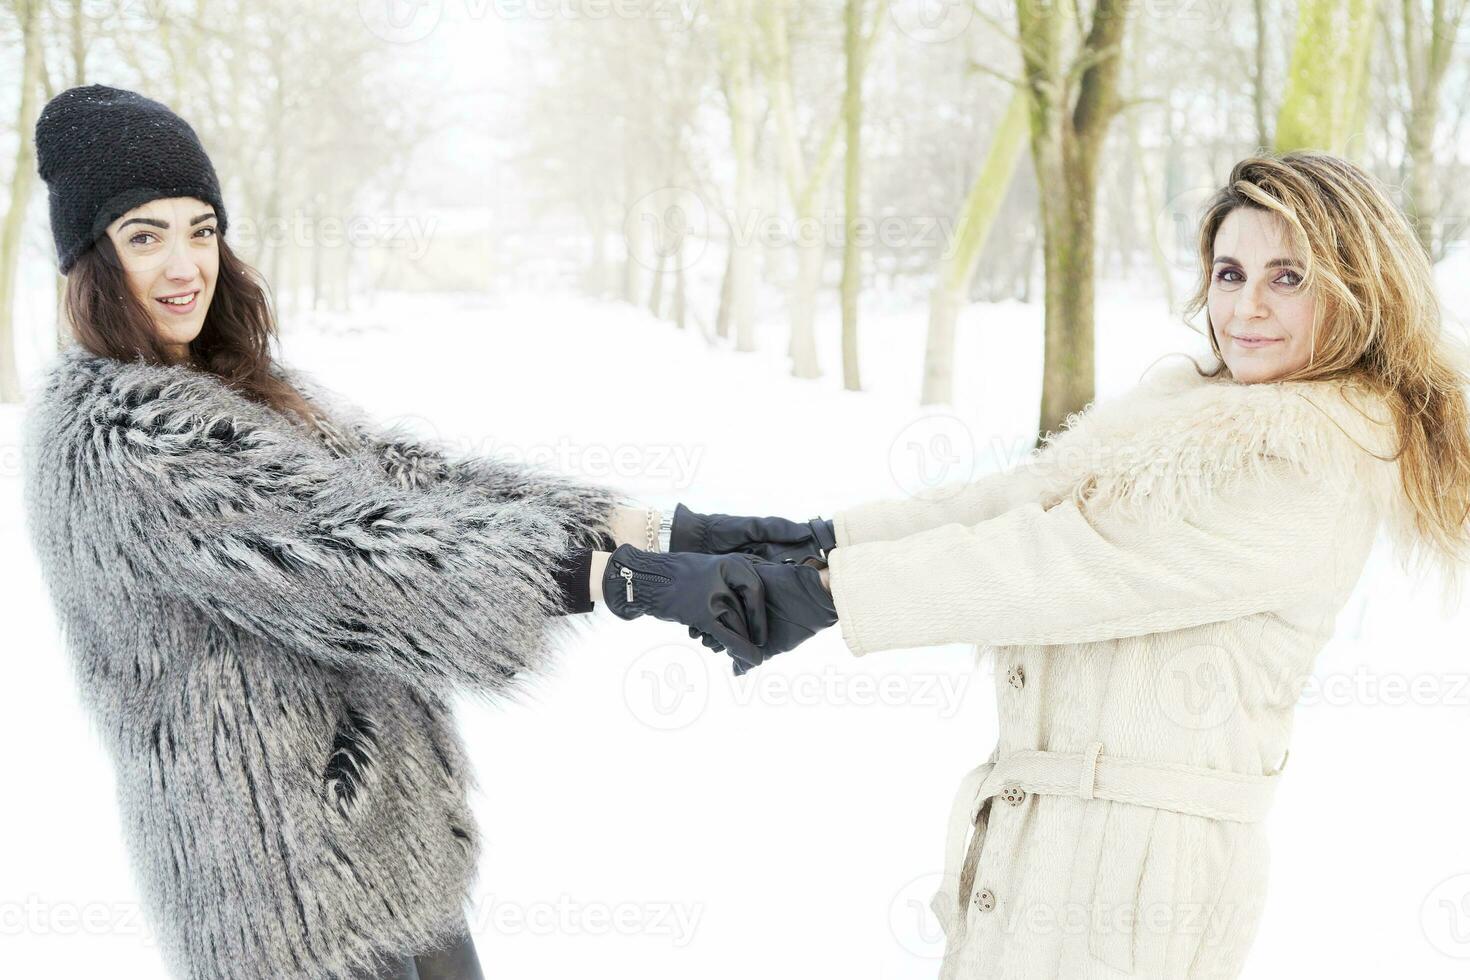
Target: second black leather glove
column 798, row 606
column 718, row 595
column 772, row 538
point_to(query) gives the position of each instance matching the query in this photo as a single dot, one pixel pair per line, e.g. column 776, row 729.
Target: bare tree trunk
column 1258, row 77
column 1324, row 83
column 680, row 306
column 742, row 263
column 804, row 182
column 635, row 234
column 274, row 202
column 957, row 269
column 857, row 48
column 656, row 291
column 21, row 181
column 735, row 48
column 1028, row 267
column 316, row 256
column 1066, row 140
column 1151, row 204
column 78, row 44
column 810, row 257
column 78, row 77
column 594, row 277
column 1426, row 61
column 722, row 315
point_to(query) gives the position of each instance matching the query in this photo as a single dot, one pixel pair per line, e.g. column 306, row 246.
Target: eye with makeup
column 148, row 234
column 1287, row 278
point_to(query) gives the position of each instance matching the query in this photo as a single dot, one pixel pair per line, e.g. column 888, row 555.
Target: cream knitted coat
column 1154, row 585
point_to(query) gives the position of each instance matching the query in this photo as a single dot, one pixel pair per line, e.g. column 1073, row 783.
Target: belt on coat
column 1198, row 790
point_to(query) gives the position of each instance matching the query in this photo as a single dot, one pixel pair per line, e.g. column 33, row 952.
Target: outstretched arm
column 969, row 504
column 595, row 515
column 776, row 538
column 438, row 585
column 1034, row 576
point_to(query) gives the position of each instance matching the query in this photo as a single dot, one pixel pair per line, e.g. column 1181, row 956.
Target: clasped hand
column 741, row 584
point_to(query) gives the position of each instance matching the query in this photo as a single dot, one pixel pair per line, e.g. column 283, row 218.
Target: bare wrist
column 599, row 566
column 638, row 526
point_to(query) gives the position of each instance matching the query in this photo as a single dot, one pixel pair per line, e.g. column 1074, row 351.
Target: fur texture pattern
column 1168, row 448
column 1177, row 439
column 266, row 620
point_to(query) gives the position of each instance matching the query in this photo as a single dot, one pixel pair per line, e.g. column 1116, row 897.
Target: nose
column 1250, row 303
column 180, row 267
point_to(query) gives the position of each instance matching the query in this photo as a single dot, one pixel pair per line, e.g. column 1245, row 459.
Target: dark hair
column 108, row 320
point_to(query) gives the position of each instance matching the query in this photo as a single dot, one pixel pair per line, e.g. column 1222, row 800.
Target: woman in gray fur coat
column 269, row 600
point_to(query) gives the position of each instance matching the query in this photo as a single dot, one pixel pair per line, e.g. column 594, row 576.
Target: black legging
column 457, row 962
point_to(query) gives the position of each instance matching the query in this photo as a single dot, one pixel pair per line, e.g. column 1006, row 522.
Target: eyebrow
column 1274, row 263
column 159, row 223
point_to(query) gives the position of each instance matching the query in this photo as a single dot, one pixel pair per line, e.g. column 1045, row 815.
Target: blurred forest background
column 723, row 163
column 759, row 257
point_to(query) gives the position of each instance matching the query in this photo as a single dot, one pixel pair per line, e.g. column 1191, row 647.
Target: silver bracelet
column 665, row 530
column 652, row 529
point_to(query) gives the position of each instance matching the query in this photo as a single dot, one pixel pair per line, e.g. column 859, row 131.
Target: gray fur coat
column 266, row 620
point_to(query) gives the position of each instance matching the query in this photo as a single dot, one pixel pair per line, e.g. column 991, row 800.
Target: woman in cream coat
column 1156, row 582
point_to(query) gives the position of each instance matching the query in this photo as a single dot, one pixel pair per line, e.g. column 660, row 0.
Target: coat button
column 1013, row 795
column 1017, row 677
column 985, row 900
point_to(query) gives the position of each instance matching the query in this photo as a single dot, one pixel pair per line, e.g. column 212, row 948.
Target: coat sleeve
column 989, row 496
column 1060, row 575
column 415, row 462
column 225, row 511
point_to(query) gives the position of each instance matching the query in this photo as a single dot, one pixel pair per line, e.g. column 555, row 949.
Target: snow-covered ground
column 648, row 815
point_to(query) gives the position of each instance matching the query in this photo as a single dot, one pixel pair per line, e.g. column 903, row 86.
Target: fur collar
column 1165, row 446
column 194, row 401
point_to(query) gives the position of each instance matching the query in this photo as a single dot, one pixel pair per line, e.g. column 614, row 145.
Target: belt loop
column 1089, row 770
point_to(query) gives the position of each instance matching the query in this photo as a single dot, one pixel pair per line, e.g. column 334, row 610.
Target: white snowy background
column 645, row 813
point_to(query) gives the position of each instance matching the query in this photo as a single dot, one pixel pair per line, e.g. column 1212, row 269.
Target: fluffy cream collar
column 1163, row 447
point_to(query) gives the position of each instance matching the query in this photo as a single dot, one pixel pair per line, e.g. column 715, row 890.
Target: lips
column 177, row 308
column 1245, row 341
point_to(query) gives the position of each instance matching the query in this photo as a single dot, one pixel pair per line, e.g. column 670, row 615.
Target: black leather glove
column 797, row 607
column 772, row 538
column 721, row 596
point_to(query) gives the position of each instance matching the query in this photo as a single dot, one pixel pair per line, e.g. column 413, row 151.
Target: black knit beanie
column 103, row 151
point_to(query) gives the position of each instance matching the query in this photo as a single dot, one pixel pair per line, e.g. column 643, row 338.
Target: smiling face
column 1261, row 315
column 169, row 250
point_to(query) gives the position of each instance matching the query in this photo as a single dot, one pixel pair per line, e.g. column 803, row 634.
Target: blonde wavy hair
column 1375, row 292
